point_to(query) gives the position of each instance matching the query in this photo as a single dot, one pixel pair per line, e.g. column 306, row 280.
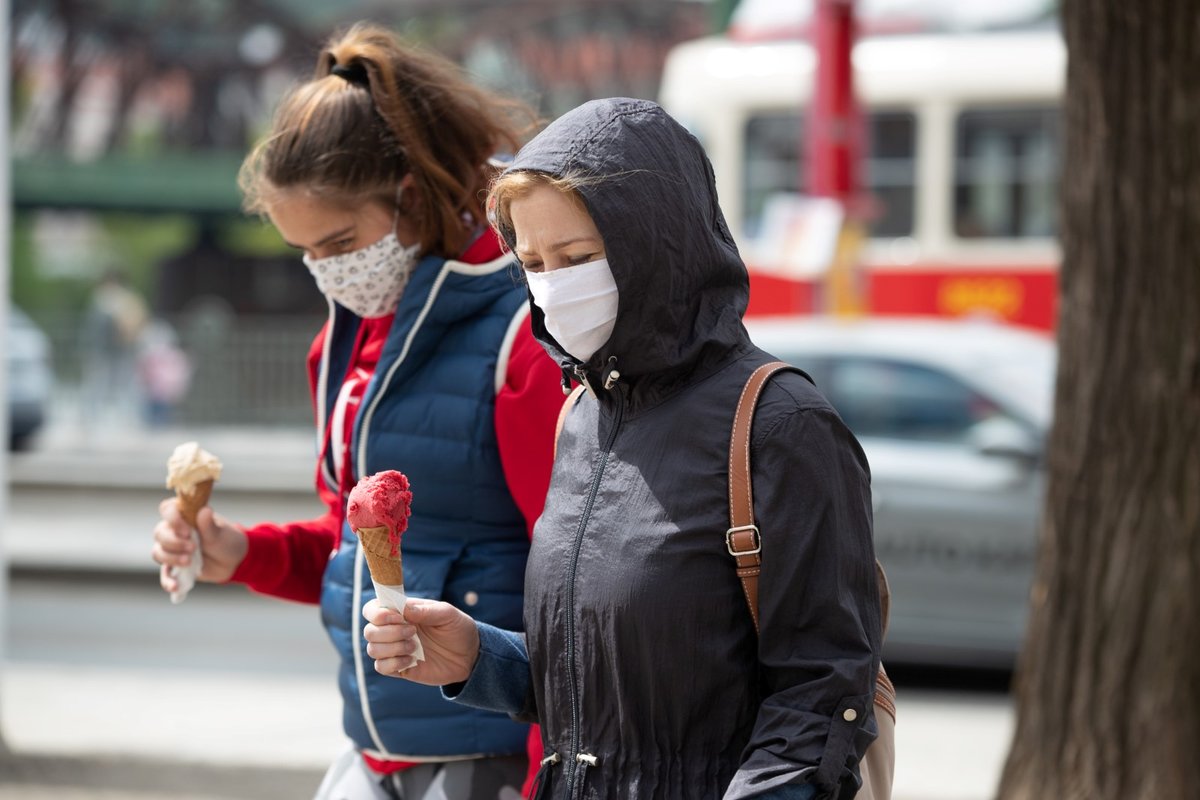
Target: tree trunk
column 1108, row 685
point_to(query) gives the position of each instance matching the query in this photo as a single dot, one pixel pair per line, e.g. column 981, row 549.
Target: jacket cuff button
column 471, row 598
column 849, row 715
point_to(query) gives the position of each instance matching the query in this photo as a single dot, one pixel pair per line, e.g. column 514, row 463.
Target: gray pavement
column 101, row 733
column 84, row 503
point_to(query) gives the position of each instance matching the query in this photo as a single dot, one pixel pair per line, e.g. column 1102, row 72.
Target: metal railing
column 245, row 370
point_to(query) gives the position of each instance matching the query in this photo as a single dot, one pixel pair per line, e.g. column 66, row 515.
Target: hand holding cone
column 191, row 472
column 378, row 509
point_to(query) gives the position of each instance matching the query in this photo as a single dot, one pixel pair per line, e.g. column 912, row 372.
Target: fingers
column 395, row 666
column 391, row 641
column 166, row 580
column 430, row 612
column 391, row 645
column 208, row 526
column 378, row 614
column 388, row 633
column 206, row 521
column 171, row 546
column 393, row 648
column 171, row 519
column 168, row 509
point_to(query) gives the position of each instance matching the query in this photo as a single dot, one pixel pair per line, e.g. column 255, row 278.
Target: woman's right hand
column 448, row 636
column 223, row 545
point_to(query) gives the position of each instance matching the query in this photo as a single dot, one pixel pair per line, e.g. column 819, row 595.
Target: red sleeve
column 288, row 560
column 526, row 412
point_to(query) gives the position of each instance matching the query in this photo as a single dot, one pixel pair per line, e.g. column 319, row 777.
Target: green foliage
column 252, row 236
column 132, row 244
column 143, row 242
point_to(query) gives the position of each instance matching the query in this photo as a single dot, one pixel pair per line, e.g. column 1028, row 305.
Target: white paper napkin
column 393, row 597
column 187, row 575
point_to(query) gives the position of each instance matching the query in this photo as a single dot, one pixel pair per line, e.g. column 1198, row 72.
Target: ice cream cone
column 190, row 502
column 386, row 569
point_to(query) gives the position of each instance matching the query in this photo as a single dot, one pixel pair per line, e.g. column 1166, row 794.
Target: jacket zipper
column 576, row 761
column 320, row 400
column 367, row 413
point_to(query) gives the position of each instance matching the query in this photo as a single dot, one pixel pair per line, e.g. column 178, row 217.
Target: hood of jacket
column 682, row 286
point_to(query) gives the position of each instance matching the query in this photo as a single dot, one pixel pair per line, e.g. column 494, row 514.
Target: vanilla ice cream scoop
column 189, row 466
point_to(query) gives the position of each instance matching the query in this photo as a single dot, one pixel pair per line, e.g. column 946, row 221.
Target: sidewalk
column 96, row 733
column 106, row 734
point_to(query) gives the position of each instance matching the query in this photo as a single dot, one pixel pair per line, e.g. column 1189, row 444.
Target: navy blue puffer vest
column 429, row 412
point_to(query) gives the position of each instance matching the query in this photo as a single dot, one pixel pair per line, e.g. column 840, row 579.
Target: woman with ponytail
column 375, row 169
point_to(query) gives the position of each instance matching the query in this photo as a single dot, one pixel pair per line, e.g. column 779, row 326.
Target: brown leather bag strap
column 742, row 539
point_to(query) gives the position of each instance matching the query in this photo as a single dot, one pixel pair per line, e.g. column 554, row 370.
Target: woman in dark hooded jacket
column 640, row 658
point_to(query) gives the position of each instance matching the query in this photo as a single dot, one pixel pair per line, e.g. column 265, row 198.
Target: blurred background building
column 131, row 117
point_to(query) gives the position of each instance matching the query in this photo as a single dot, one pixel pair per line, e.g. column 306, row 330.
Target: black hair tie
column 354, row 72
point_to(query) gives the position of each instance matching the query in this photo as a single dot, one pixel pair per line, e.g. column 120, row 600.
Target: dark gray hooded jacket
column 647, row 676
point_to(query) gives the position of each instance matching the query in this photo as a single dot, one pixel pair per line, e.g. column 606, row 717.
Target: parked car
column 30, row 377
column 953, row 417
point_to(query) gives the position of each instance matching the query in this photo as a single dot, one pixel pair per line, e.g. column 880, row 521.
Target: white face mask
column 370, row 280
column 579, row 303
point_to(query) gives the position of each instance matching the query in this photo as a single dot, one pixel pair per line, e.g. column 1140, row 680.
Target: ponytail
column 376, row 111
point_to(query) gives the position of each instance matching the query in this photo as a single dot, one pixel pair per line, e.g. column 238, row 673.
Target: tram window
column 773, row 164
column 1006, row 173
column 891, row 172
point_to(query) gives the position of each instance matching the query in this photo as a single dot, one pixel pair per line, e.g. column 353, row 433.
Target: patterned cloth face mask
column 368, row 281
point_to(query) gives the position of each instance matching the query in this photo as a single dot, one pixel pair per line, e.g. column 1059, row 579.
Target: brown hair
column 511, row 186
column 375, row 111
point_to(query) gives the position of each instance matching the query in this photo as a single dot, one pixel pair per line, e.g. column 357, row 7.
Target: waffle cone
column 191, row 502
column 386, row 569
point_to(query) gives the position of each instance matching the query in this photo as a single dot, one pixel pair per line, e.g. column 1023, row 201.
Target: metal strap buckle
column 729, row 541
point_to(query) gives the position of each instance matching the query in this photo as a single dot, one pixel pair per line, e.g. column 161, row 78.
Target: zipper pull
column 581, row 376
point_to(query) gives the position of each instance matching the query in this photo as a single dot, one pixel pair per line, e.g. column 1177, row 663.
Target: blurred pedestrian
column 112, row 325
column 376, row 169
column 164, row 372
column 640, row 658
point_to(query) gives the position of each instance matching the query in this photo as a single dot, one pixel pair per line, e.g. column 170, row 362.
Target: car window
column 899, row 400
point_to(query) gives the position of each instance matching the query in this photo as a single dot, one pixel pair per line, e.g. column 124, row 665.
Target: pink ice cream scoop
column 379, row 504
column 381, row 500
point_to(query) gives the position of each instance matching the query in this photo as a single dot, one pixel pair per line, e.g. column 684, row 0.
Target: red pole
column 833, row 137
column 834, row 150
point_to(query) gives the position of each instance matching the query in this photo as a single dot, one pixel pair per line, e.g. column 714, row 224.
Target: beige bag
column 742, row 540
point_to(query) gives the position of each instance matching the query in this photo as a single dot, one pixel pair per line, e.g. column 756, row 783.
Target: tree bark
column 1108, row 684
